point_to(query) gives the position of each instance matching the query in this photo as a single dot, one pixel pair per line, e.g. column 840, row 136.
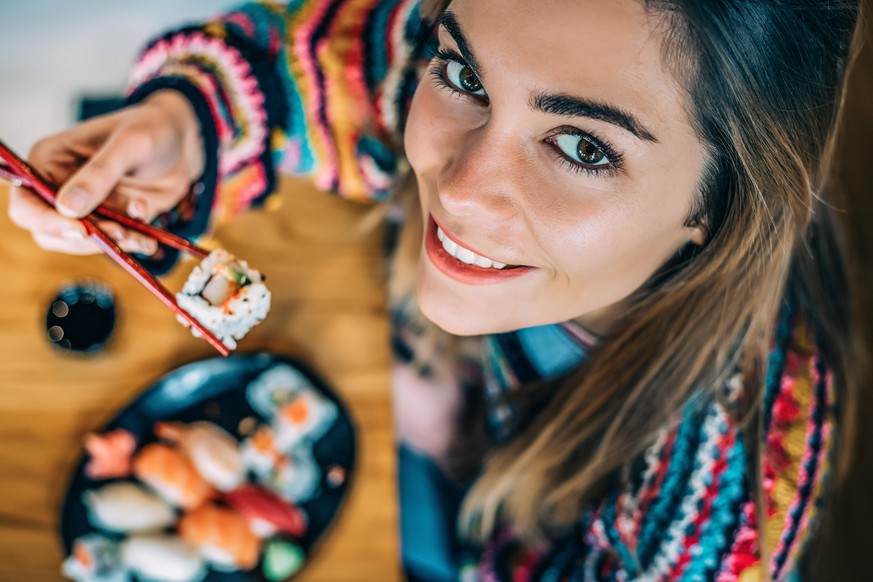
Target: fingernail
column 75, row 200
column 72, row 234
column 147, row 246
column 136, row 209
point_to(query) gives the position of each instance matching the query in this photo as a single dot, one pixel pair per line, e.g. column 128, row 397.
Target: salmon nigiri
column 214, row 452
column 222, row 535
column 169, row 472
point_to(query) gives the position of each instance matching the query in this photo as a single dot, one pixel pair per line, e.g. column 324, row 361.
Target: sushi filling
column 224, row 285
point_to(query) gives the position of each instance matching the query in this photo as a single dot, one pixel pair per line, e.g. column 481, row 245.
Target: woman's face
column 549, row 136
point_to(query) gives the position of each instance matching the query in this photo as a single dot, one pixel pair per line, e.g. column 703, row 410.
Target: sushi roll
column 293, row 474
column 222, row 536
column 296, row 476
column 274, row 388
column 213, row 451
column 162, row 558
column 172, row 475
column 126, row 507
column 226, row 295
column 260, row 453
column 308, row 416
column 94, row 558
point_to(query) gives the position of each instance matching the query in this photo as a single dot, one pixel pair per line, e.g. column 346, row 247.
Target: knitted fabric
column 321, row 88
column 688, row 513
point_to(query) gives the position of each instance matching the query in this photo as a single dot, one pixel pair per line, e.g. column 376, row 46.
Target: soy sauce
column 81, row 318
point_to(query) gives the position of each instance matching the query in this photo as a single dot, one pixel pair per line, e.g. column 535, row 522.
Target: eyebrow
column 553, row 104
column 566, row 105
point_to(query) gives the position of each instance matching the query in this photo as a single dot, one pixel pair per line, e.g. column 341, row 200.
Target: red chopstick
column 20, row 170
column 160, row 235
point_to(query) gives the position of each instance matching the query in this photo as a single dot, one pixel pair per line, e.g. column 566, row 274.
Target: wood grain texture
column 329, row 309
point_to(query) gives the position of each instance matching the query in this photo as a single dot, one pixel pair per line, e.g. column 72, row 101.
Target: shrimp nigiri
column 214, row 452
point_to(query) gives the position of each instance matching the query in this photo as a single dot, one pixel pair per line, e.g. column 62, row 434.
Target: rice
column 246, row 304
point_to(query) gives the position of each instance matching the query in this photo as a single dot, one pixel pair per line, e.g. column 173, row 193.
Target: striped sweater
column 320, row 88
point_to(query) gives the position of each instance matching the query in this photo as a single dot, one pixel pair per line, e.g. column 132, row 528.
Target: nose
column 477, row 181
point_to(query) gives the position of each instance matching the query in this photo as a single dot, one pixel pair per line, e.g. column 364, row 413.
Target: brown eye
column 580, row 150
column 462, row 78
column 589, row 153
column 469, row 80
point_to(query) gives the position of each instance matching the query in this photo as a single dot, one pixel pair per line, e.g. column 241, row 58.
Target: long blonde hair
column 766, row 109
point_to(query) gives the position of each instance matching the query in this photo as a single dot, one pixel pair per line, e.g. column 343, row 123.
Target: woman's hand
column 141, row 160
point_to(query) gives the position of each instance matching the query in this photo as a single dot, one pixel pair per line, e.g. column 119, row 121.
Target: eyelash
column 437, row 72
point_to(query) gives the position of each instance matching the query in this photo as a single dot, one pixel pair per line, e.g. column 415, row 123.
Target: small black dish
column 215, row 390
column 81, row 318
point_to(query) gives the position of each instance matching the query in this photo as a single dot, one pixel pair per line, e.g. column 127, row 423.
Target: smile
column 466, row 255
column 462, row 264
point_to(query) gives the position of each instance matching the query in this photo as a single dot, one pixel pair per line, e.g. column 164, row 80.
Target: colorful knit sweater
column 321, row 88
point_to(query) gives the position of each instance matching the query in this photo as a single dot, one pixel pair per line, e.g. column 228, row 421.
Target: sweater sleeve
column 315, row 88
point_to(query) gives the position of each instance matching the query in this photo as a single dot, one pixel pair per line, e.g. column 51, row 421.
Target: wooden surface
column 328, row 309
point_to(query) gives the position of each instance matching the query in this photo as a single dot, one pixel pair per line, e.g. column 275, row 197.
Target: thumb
column 92, row 183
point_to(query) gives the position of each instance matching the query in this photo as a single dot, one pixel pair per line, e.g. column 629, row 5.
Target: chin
column 458, row 317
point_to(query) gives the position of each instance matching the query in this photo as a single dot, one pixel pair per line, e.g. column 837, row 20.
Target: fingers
column 91, row 184
column 56, row 233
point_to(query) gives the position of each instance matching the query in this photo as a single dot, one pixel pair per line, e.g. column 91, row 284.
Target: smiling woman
column 621, row 320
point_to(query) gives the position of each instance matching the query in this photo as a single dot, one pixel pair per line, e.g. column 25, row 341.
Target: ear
column 698, row 233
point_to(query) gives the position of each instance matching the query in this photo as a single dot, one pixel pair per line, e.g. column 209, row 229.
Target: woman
column 621, row 202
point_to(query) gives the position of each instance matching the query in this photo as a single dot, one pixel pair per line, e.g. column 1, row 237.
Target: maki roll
column 94, row 558
column 226, row 296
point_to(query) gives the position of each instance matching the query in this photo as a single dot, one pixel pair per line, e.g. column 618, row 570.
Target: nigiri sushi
column 110, row 454
column 222, row 536
column 172, row 475
column 267, row 513
column 226, row 295
column 274, row 388
column 127, row 507
column 94, row 558
column 162, row 558
column 215, row 454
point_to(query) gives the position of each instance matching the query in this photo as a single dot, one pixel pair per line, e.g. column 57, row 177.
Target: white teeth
column 466, row 255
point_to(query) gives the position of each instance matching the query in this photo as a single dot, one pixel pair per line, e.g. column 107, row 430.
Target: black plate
column 215, row 390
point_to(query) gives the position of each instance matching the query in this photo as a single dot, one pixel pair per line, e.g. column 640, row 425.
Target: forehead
column 608, row 49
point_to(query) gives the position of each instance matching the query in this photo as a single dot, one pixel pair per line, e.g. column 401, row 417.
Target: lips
column 463, row 264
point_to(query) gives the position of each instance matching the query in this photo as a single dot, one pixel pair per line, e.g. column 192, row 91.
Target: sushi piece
column 282, row 560
column 110, row 454
column 127, row 507
column 308, row 415
column 293, row 475
column 162, row 558
column 274, row 388
column 260, row 453
column 296, row 477
column 94, row 558
column 267, row 513
column 226, row 295
column 172, row 475
column 222, row 536
column 215, row 454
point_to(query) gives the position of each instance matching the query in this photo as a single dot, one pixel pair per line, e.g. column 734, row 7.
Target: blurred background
column 59, row 54
column 55, row 53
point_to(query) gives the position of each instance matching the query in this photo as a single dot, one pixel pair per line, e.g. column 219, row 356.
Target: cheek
column 422, row 132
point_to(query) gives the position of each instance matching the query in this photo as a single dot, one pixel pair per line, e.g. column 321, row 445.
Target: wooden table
column 328, row 309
